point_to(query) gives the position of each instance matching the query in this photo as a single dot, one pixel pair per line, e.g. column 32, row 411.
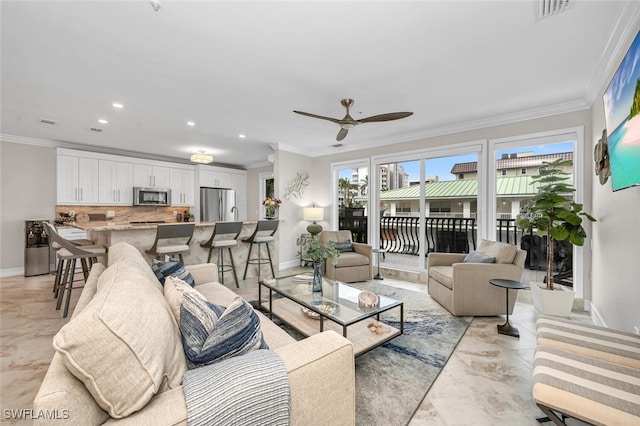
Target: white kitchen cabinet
column 115, row 182
column 215, row 179
column 67, row 172
column 182, row 187
column 148, row 176
column 239, row 184
column 77, row 180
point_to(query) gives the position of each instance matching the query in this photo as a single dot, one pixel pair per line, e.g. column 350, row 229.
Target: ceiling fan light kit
column 349, row 122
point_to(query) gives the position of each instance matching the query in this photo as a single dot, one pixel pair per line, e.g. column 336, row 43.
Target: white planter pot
column 556, row 302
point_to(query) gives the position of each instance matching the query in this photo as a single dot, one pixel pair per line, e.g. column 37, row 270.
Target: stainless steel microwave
column 151, row 196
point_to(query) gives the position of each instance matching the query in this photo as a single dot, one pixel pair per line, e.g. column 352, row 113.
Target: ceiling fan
column 349, row 122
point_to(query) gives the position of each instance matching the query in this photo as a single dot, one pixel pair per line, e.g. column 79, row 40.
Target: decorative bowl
column 368, row 299
column 327, row 308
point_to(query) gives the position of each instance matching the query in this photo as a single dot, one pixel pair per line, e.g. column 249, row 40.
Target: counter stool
column 54, row 248
column 265, row 229
column 227, row 233
column 172, row 231
column 68, row 254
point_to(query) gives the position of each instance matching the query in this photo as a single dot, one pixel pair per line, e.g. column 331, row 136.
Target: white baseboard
column 11, row 272
column 596, row 317
column 289, row 264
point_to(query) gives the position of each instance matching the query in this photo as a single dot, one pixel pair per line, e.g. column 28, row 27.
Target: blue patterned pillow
column 172, row 268
column 211, row 333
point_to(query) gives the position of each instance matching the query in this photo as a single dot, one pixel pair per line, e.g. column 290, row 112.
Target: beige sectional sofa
column 120, row 357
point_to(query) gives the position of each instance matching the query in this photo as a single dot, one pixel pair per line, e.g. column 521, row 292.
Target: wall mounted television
column 622, row 115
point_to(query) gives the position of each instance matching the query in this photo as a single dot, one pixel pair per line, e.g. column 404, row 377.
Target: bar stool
column 67, row 255
column 224, row 230
column 265, row 229
column 54, row 247
column 172, row 231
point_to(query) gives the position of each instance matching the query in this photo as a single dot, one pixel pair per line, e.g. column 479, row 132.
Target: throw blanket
column 251, row 389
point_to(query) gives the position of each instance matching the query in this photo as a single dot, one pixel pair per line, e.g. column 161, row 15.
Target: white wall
column 616, row 245
column 287, row 165
column 27, row 191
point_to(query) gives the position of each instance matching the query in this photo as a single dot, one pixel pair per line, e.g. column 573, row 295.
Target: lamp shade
column 201, row 158
column 313, row 213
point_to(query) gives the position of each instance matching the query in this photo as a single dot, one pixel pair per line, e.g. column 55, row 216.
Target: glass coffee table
column 336, row 308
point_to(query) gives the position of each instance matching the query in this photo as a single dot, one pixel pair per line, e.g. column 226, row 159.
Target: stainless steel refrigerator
column 218, row 204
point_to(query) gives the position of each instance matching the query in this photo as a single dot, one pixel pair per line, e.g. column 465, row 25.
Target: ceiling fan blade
column 385, row 117
column 321, row 117
column 342, row 134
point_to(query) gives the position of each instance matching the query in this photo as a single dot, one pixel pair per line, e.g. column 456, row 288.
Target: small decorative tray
column 368, row 299
column 324, row 307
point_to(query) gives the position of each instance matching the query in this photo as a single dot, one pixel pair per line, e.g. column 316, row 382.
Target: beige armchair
column 352, row 265
column 464, row 288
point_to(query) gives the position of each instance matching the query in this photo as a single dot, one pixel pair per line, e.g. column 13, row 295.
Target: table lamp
column 313, row 214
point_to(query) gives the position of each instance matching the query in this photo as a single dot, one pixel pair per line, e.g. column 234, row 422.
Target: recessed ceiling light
column 241, row 136
column 118, row 105
column 190, row 123
column 103, row 121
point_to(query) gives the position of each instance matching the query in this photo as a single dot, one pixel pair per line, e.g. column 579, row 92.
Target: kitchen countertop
column 127, row 226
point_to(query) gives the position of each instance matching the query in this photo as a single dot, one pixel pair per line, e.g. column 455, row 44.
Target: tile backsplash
column 122, row 214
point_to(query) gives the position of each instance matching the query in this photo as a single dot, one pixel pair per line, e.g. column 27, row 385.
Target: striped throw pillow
column 172, row 268
column 211, row 333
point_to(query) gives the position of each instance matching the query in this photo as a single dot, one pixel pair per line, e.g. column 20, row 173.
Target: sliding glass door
column 427, row 202
column 516, row 162
column 352, row 199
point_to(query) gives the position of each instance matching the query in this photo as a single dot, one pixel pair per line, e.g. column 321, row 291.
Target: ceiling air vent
column 95, row 129
column 553, row 7
column 48, row 121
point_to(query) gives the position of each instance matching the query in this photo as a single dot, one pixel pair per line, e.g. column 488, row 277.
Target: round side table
column 507, row 328
column 378, row 276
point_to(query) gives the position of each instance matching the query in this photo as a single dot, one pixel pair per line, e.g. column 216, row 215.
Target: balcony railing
column 401, row 234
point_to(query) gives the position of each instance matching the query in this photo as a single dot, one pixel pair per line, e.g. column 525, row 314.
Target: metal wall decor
column 601, row 158
column 297, row 185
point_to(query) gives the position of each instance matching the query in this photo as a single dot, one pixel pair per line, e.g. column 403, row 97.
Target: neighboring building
column 393, row 176
column 458, row 198
column 520, row 164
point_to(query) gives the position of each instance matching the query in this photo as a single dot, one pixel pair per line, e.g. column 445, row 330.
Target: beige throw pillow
column 125, row 345
column 503, row 252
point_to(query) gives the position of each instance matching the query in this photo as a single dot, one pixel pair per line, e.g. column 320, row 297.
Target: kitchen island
column 142, row 236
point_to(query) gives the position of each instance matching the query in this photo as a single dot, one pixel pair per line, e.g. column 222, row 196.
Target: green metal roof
column 509, row 186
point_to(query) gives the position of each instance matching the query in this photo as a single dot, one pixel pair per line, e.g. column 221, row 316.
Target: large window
column 522, row 159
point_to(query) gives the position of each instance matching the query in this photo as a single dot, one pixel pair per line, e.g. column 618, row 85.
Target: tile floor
column 487, row 380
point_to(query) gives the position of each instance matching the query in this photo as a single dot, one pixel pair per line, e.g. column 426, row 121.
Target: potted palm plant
column 318, row 253
column 553, row 214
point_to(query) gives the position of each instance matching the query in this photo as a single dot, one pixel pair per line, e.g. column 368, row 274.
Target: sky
column 441, row 167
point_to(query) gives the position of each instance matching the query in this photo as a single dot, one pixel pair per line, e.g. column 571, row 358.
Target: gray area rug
column 392, row 379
